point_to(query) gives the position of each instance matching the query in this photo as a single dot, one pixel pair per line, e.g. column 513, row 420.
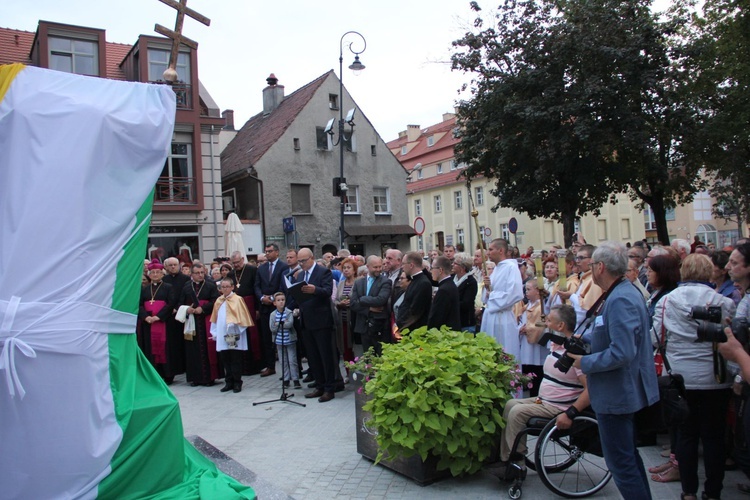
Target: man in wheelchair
column 561, row 396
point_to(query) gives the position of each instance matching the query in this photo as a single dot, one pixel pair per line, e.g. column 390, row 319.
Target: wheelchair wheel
column 570, row 462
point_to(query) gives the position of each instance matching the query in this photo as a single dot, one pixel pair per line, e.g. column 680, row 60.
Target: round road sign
column 513, row 225
column 487, row 232
column 419, row 226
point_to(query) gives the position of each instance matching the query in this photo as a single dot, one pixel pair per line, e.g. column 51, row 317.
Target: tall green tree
column 572, row 102
column 716, row 52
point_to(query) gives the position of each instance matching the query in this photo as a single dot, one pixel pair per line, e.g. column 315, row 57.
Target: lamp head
column 329, row 126
column 350, row 117
column 356, row 66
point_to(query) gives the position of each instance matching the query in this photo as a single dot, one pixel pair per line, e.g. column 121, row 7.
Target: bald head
column 305, row 258
column 374, row 265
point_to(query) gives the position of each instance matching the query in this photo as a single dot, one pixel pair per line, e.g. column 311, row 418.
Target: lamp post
column 356, row 66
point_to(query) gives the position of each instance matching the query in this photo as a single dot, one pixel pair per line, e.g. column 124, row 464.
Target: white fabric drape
column 78, row 158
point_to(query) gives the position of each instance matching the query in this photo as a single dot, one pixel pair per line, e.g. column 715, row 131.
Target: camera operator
column 691, row 317
column 620, row 369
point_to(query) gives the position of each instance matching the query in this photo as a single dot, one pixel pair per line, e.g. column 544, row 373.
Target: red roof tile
column 262, row 131
column 15, row 46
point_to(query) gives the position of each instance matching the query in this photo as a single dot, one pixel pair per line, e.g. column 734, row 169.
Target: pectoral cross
column 170, row 74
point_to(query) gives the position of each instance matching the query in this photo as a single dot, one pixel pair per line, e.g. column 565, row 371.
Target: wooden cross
column 177, row 37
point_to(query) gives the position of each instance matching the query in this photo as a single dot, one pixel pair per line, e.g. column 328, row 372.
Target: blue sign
column 290, row 225
column 513, row 225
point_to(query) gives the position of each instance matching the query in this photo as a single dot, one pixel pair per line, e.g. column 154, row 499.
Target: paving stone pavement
column 311, row 452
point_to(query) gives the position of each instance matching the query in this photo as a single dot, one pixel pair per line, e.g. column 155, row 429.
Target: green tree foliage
column 716, row 54
column 572, row 102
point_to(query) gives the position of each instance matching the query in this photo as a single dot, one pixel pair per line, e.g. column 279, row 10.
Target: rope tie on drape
column 57, row 327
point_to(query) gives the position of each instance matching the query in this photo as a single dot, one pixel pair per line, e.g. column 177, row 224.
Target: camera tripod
column 284, row 362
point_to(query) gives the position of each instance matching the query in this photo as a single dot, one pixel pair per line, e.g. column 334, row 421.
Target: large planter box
column 421, row 472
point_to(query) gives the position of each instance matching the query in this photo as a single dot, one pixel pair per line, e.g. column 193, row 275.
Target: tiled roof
column 15, row 46
column 441, row 150
column 116, row 52
column 262, row 131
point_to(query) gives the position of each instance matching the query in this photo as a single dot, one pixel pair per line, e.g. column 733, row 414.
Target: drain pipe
column 213, row 194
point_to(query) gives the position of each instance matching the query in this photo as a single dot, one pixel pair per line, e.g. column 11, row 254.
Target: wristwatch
column 738, row 379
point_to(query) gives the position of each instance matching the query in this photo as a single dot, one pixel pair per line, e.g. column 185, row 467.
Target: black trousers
column 320, row 357
column 232, row 361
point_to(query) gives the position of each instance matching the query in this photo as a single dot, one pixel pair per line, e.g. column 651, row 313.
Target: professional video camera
column 573, row 345
column 711, row 329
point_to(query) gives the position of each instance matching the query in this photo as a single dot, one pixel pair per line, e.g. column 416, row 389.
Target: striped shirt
column 559, row 389
column 282, row 335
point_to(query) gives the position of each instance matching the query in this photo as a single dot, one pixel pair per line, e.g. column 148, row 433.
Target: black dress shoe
column 237, row 388
column 227, row 387
column 194, row 384
column 314, row 394
column 308, row 378
column 286, row 383
column 210, row 384
column 339, row 388
column 314, row 384
column 326, row 397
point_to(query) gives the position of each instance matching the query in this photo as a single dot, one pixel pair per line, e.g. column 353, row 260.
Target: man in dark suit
column 369, row 302
column 317, row 323
column 268, row 280
column 445, row 306
column 415, row 309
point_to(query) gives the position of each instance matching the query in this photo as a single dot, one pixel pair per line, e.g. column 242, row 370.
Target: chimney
column 448, row 116
column 228, row 115
column 272, row 95
column 413, row 132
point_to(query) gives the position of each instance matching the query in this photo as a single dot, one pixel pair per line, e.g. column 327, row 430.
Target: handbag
column 674, row 407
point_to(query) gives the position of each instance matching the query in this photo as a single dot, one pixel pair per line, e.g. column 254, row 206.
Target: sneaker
column 297, row 385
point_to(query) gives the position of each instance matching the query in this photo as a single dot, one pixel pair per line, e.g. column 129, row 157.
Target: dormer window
column 430, row 141
column 158, row 61
column 403, row 150
column 74, row 56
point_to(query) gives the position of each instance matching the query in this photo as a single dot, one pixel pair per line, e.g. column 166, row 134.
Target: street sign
column 487, row 231
column 290, row 225
column 419, row 226
column 513, row 225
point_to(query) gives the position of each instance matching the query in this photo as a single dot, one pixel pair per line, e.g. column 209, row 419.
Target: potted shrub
column 436, row 398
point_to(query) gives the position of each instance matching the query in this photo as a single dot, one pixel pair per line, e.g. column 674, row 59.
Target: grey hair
column 464, row 260
column 237, row 253
column 613, row 255
column 680, row 244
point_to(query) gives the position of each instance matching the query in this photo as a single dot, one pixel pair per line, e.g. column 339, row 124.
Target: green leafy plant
column 440, row 393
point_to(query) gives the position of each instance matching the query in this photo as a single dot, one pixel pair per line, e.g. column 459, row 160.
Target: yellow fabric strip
column 7, row 73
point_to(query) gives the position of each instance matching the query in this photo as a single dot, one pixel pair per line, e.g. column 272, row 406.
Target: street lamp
column 356, row 66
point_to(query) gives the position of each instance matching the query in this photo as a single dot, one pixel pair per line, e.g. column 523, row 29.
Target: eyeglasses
column 579, row 258
column 302, row 261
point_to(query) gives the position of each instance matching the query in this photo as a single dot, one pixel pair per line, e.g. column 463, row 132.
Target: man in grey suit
column 369, row 301
column 620, row 368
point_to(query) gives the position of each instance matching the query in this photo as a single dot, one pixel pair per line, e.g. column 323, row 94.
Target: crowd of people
column 234, row 318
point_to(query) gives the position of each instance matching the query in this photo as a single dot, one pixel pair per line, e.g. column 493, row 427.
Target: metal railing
column 175, row 190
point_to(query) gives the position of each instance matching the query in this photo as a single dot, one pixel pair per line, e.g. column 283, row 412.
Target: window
column 460, row 237
column 418, row 207
column 403, row 150
column 438, row 204
column 301, row 199
column 296, row 143
column 176, row 183
column 458, row 200
column 333, row 101
column 420, row 173
column 453, row 164
column 702, row 205
column 322, row 139
column 430, row 141
column 381, row 200
column 505, row 232
column 479, row 196
column 420, row 243
column 440, row 168
column 74, row 56
column 158, row 61
column 373, row 150
column 350, row 142
column 650, row 221
column 351, row 206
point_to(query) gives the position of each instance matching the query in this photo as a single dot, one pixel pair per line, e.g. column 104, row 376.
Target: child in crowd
column 285, row 338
